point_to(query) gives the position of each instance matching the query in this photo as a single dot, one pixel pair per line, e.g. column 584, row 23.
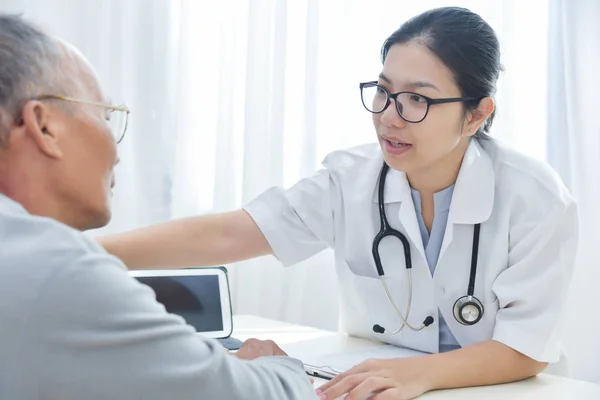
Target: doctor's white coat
column 528, row 242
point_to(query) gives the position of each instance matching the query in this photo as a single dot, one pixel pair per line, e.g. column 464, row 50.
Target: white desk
column 300, row 341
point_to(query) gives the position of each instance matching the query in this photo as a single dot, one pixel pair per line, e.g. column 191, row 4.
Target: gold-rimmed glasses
column 118, row 117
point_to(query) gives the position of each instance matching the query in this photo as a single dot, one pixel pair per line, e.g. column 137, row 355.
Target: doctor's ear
column 476, row 117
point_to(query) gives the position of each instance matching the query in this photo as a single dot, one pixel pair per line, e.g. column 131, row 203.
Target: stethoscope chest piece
column 468, row 310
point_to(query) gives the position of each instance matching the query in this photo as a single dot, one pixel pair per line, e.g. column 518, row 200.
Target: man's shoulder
column 35, row 248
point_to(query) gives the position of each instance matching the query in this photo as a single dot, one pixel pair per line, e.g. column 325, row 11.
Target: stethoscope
column 468, row 310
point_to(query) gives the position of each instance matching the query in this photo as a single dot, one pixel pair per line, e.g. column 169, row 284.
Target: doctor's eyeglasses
column 117, row 116
column 412, row 107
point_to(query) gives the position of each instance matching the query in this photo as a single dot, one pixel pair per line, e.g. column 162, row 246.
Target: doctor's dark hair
column 465, row 43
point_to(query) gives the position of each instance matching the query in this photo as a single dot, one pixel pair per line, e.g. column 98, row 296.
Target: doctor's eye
column 415, row 98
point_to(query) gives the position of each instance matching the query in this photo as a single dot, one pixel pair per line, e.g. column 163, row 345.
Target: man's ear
column 477, row 117
column 37, row 120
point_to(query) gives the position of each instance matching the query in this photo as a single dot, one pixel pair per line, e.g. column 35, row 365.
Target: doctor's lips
column 394, row 146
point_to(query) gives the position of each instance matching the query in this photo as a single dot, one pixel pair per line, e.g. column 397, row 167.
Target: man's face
column 87, row 166
column 84, row 174
column 60, row 152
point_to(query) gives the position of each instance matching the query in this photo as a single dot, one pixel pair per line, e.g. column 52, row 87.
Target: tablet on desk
column 200, row 296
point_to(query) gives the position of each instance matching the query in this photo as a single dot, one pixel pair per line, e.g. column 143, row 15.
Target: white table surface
column 301, row 341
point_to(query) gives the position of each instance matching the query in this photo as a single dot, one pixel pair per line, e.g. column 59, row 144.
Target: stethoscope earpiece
column 428, row 321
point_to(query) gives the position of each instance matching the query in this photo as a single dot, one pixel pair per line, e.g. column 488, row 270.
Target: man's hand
column 397, row 379
column 254, row 348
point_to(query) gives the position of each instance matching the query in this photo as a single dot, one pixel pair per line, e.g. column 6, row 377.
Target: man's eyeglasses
column 118, row 116
column 412, row 107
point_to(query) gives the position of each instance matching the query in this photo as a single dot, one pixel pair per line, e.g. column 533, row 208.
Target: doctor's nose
column 391, row 117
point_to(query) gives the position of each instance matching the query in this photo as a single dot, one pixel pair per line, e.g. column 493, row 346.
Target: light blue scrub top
column 432, row 244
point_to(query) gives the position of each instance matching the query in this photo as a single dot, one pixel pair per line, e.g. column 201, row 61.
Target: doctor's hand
column 391, row 379
column 254, row 348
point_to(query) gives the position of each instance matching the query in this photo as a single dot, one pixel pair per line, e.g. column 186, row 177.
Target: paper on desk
column 343, row 361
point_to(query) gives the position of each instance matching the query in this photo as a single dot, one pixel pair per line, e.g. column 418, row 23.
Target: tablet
column 201, row 296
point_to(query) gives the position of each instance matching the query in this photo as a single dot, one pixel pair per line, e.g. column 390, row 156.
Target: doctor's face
column 411, row 147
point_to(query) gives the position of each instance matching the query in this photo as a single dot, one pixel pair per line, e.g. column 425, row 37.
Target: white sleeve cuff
column 528, row 343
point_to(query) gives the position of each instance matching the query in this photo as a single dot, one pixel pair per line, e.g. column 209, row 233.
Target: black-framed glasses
column 412, row 107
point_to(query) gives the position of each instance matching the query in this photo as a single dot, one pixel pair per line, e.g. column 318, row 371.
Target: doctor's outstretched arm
column 297, row 221
column 190, row 242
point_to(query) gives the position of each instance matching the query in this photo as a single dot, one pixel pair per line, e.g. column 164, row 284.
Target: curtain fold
column 574, row 151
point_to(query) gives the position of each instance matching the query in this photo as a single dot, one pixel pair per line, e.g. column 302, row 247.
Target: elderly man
column 73, row 324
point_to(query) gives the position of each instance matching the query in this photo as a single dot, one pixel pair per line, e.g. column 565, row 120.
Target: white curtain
column 574, row 150
column 231, row 97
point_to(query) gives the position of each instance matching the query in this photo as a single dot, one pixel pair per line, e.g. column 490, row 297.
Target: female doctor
column 445, row 241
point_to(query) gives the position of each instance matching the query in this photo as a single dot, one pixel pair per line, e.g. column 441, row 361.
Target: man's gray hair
column 29, row 62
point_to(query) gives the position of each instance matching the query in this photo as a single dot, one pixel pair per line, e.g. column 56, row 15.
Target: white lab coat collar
column 472, row 200
column 397, row 190
column 473, row 197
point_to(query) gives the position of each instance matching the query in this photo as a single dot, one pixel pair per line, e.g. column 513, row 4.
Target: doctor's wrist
column 428, row 369
column 418, row 372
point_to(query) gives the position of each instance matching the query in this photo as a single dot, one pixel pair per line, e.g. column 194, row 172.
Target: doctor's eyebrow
column 385, row 78
column 411, row 85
